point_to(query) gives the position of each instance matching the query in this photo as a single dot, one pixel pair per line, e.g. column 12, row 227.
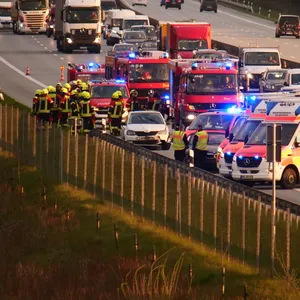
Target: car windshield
column 135, row 35
column 238, row 125
column 188, row 45
column 296, row 79
column 81, row 15
column 262, row 59
column 149, row 45
column 210, row 56
column 107, row 5
column 149, row 73
column 248, row 128
column 85, row 77
column 216, row 84
column 213, row 122
column 259, row 136
column 123, row 48
column 290, row 20
column 129, row 23
column 276, row 75
column 104, row 91
column 33, row 5
column 215, row 138
column 5, row 12
column 146, row 119
column 150, row 31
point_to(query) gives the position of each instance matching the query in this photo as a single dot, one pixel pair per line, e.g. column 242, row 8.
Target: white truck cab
column 135, row 20
column 5, row 15
column 293, row 80
column 253, row 61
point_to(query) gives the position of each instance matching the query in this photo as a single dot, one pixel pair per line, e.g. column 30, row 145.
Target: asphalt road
column 228, row 26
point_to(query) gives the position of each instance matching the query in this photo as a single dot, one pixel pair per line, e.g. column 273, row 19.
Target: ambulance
column 249, row 164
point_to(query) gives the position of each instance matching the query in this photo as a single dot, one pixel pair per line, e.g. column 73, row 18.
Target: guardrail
column 243, row 4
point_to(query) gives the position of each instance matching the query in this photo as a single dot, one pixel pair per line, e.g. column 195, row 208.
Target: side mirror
column 246, row 139
column 231, row 136
column 227, row 132
column 285, row 83
column 240, row 64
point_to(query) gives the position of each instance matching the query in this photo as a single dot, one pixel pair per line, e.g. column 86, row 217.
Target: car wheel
column 277, row 35
column 288, row 179
column 165, row 146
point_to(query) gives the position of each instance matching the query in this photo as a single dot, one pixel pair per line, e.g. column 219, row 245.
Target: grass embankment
column 54, row 252
column 12, row 102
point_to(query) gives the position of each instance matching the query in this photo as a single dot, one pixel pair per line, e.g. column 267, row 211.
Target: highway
column 39, row 53
column 228, row 26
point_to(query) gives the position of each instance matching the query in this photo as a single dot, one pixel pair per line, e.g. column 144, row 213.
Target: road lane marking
column 61, row 57
column 55, row 54
column 42, row 45
column 45, row 48
column 12, row 67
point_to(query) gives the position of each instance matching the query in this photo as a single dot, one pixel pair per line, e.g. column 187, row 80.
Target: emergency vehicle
column 92, row 71
column 101, row 93
column 249, row 164
column 142, row 71
column 200, row 85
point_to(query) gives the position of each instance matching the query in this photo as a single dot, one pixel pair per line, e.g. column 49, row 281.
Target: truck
column 197, row 87
column 5, row 15
column 85, row 72
column 253, row 62
column 134, row 20
column 106, row 5
column 78, row 25
column 142, row 72
column 250, row 165
column 180, row 39
column 113, row 24
column 29, row 16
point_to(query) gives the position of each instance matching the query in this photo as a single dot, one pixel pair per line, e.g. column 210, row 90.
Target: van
column 209, row 5
column 287, row 25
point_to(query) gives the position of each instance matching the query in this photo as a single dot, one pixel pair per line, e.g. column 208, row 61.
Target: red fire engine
column 92, row 71
column 142, row 72
column 199, row 85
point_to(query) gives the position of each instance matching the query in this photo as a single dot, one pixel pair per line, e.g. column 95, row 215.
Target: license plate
column 246, row 177
column 146, row 138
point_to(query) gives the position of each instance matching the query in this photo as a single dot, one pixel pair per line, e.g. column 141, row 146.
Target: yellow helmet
column 79, row 81
column 74, row 92
column 51, row 89
column 67, row 86
column 86, row 95
column 64, row 90
column 134, row 93
column 115, row 96
column 38, row 92
column 119, row 94
column 59, row 84
column 44, row 92
column 84, row 87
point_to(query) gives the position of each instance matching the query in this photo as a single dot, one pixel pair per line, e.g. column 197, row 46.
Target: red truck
column 90, row 72
column 198, row 87
column 180, row 39
column 142, row 72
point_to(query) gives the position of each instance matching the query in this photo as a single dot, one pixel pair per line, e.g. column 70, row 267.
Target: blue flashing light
column 256, row 157
column 131, row 55
column 120, row 81
column 228, row 153
column 234, row 110
column 91, row 65
column 240, row 157
column 228, row 66
column 167, row 97
column 194, row 65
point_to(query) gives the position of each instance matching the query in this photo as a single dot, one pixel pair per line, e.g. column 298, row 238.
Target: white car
column 139, row 2
column 146, row 128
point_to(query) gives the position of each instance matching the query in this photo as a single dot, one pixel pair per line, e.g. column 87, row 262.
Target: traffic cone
column 62, row 73
column 27, row 72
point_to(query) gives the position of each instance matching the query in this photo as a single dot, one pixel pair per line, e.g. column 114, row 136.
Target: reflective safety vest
column 202, row 140
column 155, row 105
column 74, row 108
column 117, row 110
column 134, row 105
column 44, row 105
column 64, row 105
column 178, row 143
column 86, row 110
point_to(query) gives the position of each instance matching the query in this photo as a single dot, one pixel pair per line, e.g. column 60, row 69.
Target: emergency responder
column 180, row 143
column 83, row 88
column 44, row 105
column 133, row 102
column 200, row 147
column 68, row 87
column 115, row 113
column 74, row 107
column 153, row 101
column 35, row 101
column 87, row 112
column 54, row 108
column 64, row 106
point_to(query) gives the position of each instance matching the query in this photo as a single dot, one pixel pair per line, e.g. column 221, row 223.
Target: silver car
column 134, row 37
column 273, row 80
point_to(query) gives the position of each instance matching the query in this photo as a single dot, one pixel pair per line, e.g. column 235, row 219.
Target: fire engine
column 142, row 71
column 101, row 93
column 92, row 71
column 249, row 164
column 200, row 85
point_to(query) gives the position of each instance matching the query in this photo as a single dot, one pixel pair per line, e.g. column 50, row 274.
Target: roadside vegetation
column 55, row 246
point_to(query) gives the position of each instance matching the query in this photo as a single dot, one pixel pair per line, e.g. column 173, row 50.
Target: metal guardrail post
column 112, row 176
column 165, row 194
column 68, row 157
column 258, row 229
column 154, row 166
column 132, row 183
column 96, row 166
column 122, row 179
column 86, row 149
column 229, row 200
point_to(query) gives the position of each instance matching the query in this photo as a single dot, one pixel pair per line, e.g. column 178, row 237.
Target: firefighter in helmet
column 115, row 113
column 35, row 101
column 64, row 106
column 44, row 105
column 87, row 112
column 133, row 101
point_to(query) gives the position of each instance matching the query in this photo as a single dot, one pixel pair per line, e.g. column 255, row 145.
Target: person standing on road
column 35, row 102
column 74, row 108
column 44, row 106
column 133, row 101
column 200, row 147
column 180, row 143
column 87, row 112
column 64, row 107
column 115, row 113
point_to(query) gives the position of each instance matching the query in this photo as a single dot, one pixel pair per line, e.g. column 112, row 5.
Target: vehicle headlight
column 130, row 132
column 97, row 40
column 190, row 117
column 69, row 40
column 268, row 86
column 249, row 75
column 234, row 159
column 113, row 31
column 51, row 26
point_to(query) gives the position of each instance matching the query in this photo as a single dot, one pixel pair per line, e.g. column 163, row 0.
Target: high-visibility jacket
column 86, row 109
column 35, row 102
column 133, row 104
column 178, row 143
column 54, row 98
column 44, row 105
column 202, row 140
column 64, row 104
column 116, row 110
column 75, row 109
column 156, row 104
